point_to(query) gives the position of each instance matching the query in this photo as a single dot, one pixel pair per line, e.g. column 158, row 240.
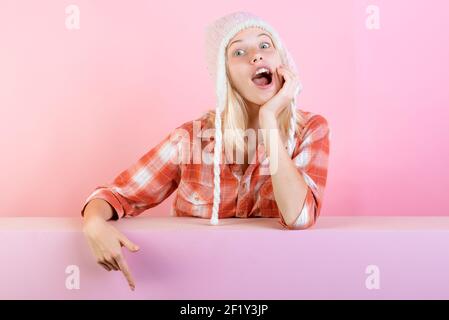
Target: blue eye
column 235, row 52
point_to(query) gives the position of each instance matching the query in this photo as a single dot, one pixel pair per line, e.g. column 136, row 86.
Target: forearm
column 98, row 209
column 289, row 187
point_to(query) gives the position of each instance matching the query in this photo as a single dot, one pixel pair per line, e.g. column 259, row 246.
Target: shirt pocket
column 196, row 193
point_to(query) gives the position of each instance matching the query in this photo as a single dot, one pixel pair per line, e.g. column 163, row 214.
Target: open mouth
column 263, row 79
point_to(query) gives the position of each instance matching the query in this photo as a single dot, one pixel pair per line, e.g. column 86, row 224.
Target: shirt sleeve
column 146, row 183
column 311, row 158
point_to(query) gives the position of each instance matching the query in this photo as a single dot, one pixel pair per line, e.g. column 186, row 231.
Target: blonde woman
column 264, row 158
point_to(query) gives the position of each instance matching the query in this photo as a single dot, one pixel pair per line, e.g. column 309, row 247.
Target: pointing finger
column 126, row 272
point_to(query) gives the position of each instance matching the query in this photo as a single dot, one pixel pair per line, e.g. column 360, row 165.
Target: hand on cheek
column 279, row 77
column 289, row 86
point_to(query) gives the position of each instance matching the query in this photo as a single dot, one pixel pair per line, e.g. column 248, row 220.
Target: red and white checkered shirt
column 159, row 172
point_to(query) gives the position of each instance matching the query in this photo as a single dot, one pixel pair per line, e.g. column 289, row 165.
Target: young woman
column 283, row 151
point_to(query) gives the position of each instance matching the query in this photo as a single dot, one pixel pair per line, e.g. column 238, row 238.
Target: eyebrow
column 261, row 34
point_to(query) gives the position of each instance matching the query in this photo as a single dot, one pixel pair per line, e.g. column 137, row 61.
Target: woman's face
column 247, row 51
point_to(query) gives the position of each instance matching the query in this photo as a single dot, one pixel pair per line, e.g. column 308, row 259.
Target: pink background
column 79, row 106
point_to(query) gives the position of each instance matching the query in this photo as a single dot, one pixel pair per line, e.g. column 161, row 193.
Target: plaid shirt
column 159, row 172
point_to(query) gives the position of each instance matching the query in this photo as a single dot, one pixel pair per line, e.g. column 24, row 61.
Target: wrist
column 92, row 219
column 267, row 119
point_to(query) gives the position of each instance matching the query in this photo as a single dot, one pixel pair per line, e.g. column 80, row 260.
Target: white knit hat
column 218, row 35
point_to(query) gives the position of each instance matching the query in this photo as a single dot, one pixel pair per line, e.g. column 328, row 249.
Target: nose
column 257, row 57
